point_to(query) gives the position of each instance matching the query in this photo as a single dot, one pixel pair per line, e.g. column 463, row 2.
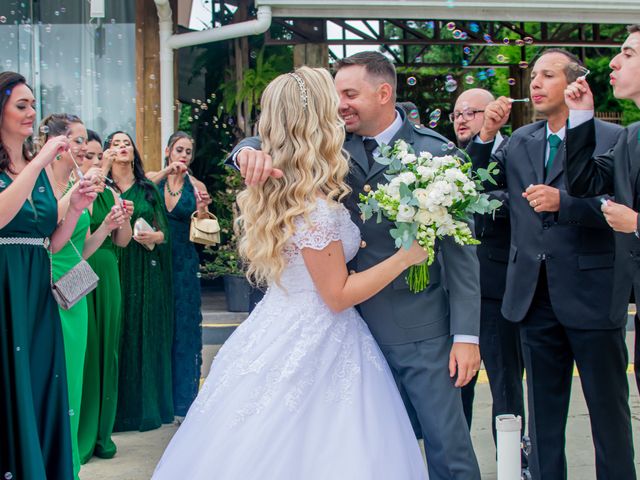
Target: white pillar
column 508, row 430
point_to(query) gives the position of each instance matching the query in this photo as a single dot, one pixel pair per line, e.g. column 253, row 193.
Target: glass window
column 75, row 64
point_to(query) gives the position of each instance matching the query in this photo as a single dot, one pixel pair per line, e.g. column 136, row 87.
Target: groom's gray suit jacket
column 451, row 302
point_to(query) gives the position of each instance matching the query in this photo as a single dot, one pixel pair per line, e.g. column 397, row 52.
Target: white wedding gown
column 298, row 392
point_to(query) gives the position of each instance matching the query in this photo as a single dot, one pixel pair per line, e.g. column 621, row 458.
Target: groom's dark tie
column 370, row 144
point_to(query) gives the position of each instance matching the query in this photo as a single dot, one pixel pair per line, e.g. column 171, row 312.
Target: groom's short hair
column 376, row 65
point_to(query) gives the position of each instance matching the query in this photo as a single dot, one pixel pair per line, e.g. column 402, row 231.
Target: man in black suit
column 615, row 172
column 499, row 338
column 559, row 280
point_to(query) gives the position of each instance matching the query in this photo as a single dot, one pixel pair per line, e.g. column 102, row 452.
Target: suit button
column 363, row 244
column 351, row 272
column 366, row 188
column 546, row 225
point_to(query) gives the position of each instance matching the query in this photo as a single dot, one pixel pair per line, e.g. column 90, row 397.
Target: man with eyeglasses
column 499, row 338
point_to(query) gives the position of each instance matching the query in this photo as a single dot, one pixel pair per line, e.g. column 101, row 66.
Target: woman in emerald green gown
column 144, row 387
column 81, row 245
column 100, row 378
column 35, row 436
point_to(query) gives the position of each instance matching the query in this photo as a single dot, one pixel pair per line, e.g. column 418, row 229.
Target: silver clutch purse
column 75, row 284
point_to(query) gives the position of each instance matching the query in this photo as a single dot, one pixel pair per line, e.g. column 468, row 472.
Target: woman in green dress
column 182, row 194
column 100, row 378
column 35, row 440
column 144, row 387
column 81, row 245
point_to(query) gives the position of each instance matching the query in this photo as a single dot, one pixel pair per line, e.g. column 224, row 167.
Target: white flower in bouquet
column 405, row 213
column 428, row 198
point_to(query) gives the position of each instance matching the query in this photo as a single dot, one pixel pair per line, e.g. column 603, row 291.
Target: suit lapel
column 558, row 164
column 355, row 147
column 405, row 133
column 535, row 148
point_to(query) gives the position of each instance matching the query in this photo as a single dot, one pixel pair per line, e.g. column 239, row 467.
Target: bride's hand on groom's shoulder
column 464, row 360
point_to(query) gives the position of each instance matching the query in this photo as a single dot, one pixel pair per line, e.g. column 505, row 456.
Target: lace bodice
column 328, row 222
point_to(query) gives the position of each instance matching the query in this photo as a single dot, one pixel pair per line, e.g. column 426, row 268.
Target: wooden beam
column 148, row 83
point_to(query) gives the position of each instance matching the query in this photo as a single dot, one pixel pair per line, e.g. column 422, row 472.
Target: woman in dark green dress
column 182, row 195
column 35, row 440
column 144, row 387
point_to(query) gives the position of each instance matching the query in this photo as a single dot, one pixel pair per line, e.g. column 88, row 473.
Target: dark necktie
column 370, row 144
column 554, row 143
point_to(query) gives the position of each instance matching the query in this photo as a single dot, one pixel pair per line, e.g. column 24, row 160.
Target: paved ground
column 139, row 452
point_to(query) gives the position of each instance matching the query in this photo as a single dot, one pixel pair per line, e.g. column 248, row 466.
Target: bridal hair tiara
column 303, row 89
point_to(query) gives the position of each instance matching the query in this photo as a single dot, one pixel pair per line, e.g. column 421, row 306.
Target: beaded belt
column 37, row 242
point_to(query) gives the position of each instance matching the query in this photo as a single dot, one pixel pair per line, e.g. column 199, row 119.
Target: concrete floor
column 139, row 452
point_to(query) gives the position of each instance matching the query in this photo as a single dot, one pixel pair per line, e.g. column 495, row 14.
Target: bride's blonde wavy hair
column 301, row 129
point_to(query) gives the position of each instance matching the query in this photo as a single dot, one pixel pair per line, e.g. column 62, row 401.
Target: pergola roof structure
column 573, row 11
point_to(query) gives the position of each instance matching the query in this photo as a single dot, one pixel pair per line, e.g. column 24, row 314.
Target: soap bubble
column 451, row 85
column 511, row 81
column 505, row 40
column 469, row 80
column 464, row 36
column 411, row 81
column 414, row 114
column 487, row 38
column 457, row 34
column 44, row 129
column 467, row 50
column 3, row 19
column 501, row 58
column 491, row 72
column 528, row 40
column 523, row 64
column 474, row 27
column 8, row 476
column 451, row 26
column 448, row 146
column 465, row 63
column 433, row 123
column 519, row 42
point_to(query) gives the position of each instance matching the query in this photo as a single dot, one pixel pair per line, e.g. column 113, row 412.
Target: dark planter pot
column 236, row 291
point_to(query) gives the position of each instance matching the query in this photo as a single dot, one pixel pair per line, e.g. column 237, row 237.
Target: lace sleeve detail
column 321, row 229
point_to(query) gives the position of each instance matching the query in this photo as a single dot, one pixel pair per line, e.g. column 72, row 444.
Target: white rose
column 406, row 177
column 426, row 173
column 446, row 226
column 393, row 188
column 424, row 217
column 408, row 158
column 405, row 213
column 422, row 195
column 402, row 147
column 439, row 215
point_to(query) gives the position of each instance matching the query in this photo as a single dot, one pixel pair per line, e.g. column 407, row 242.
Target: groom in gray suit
column 429, row 339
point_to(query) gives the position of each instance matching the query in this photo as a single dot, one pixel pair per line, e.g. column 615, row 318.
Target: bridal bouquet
column 428, row 197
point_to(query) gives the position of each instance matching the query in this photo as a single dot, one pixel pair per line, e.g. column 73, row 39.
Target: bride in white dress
column 301, row 391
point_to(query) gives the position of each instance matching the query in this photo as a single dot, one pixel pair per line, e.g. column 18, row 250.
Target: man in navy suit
column 615, row 172
column 559, row 279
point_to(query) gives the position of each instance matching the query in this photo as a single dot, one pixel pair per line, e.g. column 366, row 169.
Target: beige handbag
column 205, row 231
column 74, row 285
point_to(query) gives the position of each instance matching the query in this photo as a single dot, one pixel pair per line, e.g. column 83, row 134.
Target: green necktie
column 554, row 143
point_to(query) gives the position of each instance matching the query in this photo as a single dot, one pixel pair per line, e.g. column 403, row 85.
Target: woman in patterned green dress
column 35, row 437
column 144, row 387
